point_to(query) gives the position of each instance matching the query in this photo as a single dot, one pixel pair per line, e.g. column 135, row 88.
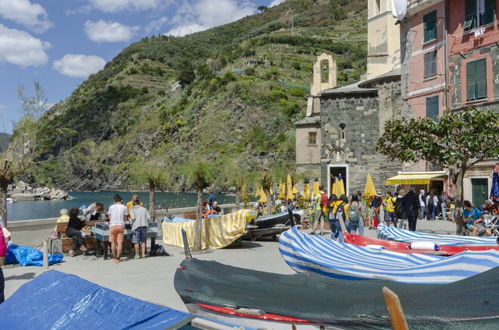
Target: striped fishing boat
column 216, row 232
column 312, row 254
column 400, row 235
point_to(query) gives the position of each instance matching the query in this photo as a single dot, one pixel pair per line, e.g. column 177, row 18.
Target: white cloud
column 102, row 31
column 31, row 15
column 78, row 66
column 21, row 48
column 113, row 6
column 156, row 25
column 276, row 2
column 198, row 15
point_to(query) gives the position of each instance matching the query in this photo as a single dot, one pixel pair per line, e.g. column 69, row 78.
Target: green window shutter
column 489, row 13
column 430, row 64
column 470, row 81
column 481, row 79
column 432, row 107
column 470, row 15
column 430, row 26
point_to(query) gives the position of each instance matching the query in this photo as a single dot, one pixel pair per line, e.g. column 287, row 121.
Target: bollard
column 45, row 256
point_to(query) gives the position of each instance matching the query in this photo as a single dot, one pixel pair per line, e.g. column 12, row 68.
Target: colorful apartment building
column 450, row 60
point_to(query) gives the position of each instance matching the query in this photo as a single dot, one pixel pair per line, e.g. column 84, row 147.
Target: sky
column 59, row 43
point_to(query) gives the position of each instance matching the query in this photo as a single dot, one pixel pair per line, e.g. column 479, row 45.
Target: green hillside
column 232, row 92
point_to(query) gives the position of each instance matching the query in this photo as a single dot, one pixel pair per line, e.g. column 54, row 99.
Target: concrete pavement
column 151, row 279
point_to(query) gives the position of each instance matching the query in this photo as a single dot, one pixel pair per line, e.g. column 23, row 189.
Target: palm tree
column 200, row 174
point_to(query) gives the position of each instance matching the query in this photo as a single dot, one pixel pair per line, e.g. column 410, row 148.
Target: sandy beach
column 151, row 279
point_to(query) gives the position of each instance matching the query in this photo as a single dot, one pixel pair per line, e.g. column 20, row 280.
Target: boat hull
column 403, row 247
column 230, row 293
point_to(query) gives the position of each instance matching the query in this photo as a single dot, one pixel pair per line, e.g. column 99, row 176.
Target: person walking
column 338, row 211
column 75, row 225
column 411, row 207
column 356, row 221
column 422, row 204
column 400, row 210
column 140, row 222
column 443, row 205
column 318, row 205
column 431, row 202
column 117, row 215
column 389, row 207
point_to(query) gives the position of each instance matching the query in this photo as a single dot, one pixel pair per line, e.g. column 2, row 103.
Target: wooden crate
column 67, row 244
column 189, row 215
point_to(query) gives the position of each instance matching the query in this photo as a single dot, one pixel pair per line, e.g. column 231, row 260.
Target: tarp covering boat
column 353, row 304
column 217, row 232
column 312, row 254
column 425, row 247
column 55, row 300
column 400, row 235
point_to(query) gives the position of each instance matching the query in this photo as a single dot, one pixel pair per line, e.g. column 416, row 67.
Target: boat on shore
column 271, row 225
column 424, row 247
column 317, row 255
column 275, row 301
column 401, row 235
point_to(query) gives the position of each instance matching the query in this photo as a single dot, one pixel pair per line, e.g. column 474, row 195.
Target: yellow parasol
column 340, row 186
column 316, row 188
column 261, row 194
column 289, row 185
column 306, row 191
column 370, row 189
column 282, row 191
column 295, row 190
column 244, row 193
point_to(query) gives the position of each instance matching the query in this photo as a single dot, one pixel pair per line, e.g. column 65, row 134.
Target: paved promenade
column 151, row 279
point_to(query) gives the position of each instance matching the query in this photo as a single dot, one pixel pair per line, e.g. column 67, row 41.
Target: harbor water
column 30, row 210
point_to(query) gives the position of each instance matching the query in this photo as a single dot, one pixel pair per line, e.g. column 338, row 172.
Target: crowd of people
column 403, row 211
column 118, row 214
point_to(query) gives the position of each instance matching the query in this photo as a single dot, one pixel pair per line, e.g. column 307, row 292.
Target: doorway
column 479, row 191
column 334, row 171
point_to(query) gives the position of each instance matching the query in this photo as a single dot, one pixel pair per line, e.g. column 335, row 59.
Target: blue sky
column 60, row 42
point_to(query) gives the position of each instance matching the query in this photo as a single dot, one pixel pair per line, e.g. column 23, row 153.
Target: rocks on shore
column 22, row 191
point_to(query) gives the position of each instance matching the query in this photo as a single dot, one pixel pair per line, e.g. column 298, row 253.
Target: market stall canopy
column 414, row 178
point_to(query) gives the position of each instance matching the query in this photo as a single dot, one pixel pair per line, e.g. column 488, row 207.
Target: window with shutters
column 430, row 64
column 312, row 138
column 476, row 80
column 432, row 107
column 430, row 26
column 478, row 13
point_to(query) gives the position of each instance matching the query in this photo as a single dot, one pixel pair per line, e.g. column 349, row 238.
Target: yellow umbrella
column 282, row 191
column 295, row 190
column 261, row 194
column 306, row 191
column 316, row 188
column 244, row 193
column 290, row 196
column 340, row 186
column 370, row 189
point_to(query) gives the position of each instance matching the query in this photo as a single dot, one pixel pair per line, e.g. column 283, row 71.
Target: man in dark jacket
column 411, row 207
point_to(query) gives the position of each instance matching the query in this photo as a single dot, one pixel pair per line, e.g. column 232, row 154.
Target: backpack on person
column 340, row 212
column 324, row 200
column 431, row 201
column 353, row 214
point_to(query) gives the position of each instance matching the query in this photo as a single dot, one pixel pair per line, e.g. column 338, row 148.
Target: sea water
column 31, row 210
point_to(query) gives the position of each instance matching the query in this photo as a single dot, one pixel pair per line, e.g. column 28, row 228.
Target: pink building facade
column 423, row 58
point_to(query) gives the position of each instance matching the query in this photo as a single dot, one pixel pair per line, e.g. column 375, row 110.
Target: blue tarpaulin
column 27, row 256
column 56, row 300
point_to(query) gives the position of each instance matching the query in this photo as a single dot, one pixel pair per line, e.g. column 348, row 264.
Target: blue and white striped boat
column 400, row 235
column 313, row 254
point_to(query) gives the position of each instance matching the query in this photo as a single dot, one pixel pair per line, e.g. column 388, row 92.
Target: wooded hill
column 228, row 94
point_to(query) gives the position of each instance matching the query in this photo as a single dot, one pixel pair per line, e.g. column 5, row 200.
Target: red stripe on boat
column 264, row 316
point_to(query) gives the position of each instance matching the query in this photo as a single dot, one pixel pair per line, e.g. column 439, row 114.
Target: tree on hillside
column 152, row 174
column 457, row 141
column 200, row 174
column 263, row 8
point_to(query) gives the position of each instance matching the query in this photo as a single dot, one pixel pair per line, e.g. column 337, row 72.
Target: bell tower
column 383, row 39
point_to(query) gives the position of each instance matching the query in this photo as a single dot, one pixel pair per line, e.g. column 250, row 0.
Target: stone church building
column 340, row 131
